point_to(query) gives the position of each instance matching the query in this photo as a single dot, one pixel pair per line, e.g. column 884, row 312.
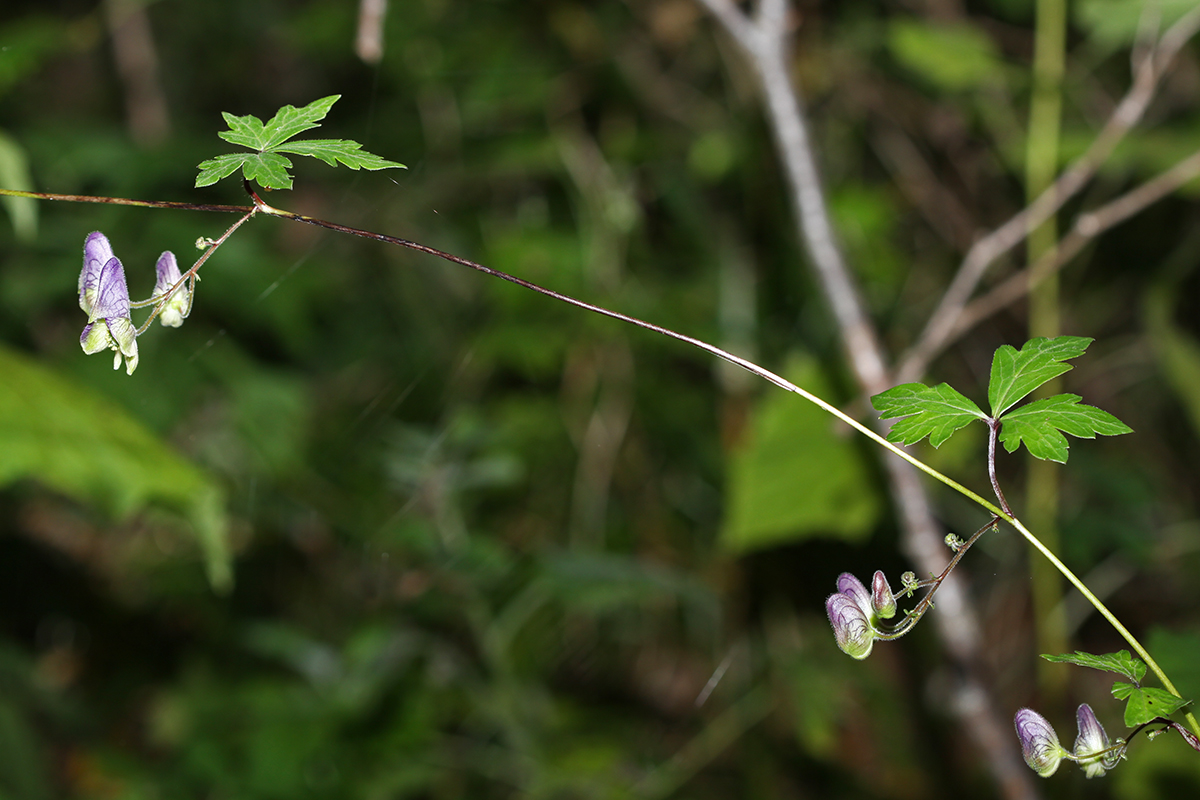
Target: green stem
column 1041, row 168
column 1104, row 612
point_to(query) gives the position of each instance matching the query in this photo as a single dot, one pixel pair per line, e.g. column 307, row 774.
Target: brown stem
column 993, row 434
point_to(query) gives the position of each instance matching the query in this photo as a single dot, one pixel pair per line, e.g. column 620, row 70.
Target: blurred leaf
column 14, row 174
column 597, row 582
column 26, row 44
column 1116, row 23
column 793, row 477
column 80, row 444
column 952, row 57
column 1178, row 653
column 1178, row 353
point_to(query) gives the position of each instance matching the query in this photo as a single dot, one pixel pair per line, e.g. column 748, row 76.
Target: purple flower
column 104, row 295
column 851, row 629
column 179, row 304
column 1039, row 742
column 1091, row 745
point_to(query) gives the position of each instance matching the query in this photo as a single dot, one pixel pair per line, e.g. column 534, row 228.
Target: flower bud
column 179, row 305
column 1091, row 745
column 1039, row 742
column 882, row 599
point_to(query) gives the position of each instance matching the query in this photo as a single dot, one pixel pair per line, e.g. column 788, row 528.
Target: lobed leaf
column 1042, row 423
column 933, row 411
column 1016, row 373
column 1119, row 662
column 1143, row 705
column 214, row 169
column 73, row 440
column 267, row 166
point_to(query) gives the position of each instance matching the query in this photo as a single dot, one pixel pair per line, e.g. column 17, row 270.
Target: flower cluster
column 856, row 614
column 1043, row 753
column 104, row 297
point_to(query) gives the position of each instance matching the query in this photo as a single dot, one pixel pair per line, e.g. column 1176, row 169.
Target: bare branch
column 765, row 42
column 1087, row 227
column 944, row 320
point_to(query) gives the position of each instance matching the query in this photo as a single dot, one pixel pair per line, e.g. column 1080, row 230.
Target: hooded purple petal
column 1039, row 742
column 177, row 307
column 112, row 293
column 168, row 272
column 1092, row 743
column 96, row 253
column 851, row 629
column 853, row 588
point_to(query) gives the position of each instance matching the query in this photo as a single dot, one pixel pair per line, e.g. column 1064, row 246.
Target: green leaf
column 79, row 444
column 270, row 169
column 249, row 131
column 1016, row 373
column 793, row 476
column 1144, row 704
column 1117, row 23
column 14, row 174
column 1039, row 423
column 933, row 411
column 214, row 169
column 1119, row 662
column 331, row 151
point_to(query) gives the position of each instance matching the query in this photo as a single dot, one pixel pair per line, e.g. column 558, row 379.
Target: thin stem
column 914, row 616
column 260, row 206
column 191, row 275
column 122, row 201
column 705, row 346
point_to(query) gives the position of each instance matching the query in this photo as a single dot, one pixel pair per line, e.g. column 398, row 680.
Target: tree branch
column 1087, row 227
column 765, row 42
column 945, row 318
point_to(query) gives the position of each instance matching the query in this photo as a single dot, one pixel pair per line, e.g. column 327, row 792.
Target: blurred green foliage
column 485, row 545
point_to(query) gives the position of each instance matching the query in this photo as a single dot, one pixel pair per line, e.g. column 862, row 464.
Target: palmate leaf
column 1041, row 424
column 249, row 131
column 266, row 166
column 1143, row 705
column 269, row 169
column 933, row 411
column 1120, row 662
column 1016, row 373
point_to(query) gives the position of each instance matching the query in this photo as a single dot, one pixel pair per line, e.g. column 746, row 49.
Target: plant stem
column 993, row 433
column 1104, row 612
